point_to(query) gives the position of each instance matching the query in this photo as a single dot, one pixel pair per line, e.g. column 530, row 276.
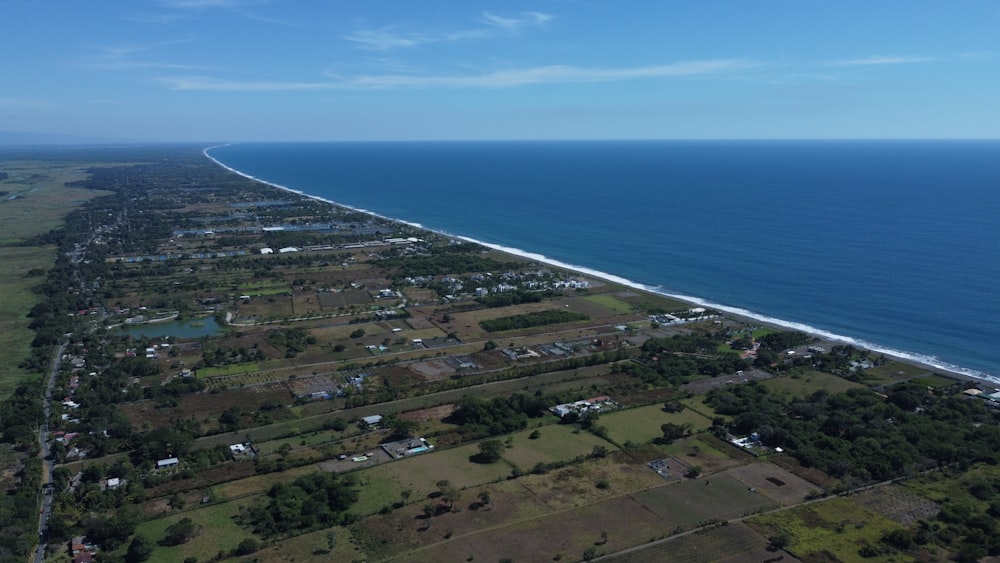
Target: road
column 47, row 462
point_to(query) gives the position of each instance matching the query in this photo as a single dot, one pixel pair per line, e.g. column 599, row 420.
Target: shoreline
column 929, row 362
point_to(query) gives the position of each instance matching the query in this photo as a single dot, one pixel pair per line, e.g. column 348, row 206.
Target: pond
column 185, row 329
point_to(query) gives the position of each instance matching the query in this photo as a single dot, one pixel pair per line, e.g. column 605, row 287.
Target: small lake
column 183, row 329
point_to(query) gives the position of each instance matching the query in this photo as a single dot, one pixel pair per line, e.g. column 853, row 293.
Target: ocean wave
column 914, row 357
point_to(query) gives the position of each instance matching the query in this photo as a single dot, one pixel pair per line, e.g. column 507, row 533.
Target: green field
column 37, row 201
column 803, row 385
column 231, row 369
column 615, row 305
column 696, row 501
column 382, row 483
column 217, row 532
column 642, row 424
column 557, row 442
column 836, row 528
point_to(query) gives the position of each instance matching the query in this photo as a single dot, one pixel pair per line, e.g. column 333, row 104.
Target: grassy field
column 891, row 372
column 735, row 542
column 217, row 532
column 614, row 305
column 642, row 424
column 802, row 385
column 419, row 474
column 36, row 202
column 831, row 530
column 556, row 442
column 314, row 546
column 688, row 503
column 231, row 369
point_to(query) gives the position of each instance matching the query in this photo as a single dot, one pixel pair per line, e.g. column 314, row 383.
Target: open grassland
column 18, row 299
column 642, row 424
column 892, row 372
column 231, row 369
column 694, row 502
column 556, row 443
column 732, row 543
column 217, row 531
column 557, row 536
column 37, row 198
column 314, row 546
column 834, row 529
column 609, row 303
column 802, row 385
column 36, row 202
column 421, row 473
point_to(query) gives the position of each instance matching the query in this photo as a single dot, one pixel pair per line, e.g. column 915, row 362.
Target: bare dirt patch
column 432, row 370
column 773, row 482
column 425, row 415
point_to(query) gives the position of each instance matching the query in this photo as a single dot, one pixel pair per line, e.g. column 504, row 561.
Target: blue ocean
column 894, row 245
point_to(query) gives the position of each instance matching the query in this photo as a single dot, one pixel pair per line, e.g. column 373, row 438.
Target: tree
column 247, row 546
column 673, row 432
column 778, row 541
column 489, row 451
column 180, row 532
column 139, row 550
column 484, row 497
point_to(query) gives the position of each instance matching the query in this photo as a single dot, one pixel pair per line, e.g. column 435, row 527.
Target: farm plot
column 800, row 386
column 731, row 544
column 554, row 443
column 602, row 305
column 773, row 482
column 217, row 531
column 586, row 483
column 641, row 425
column 381, row 484
column 607, row 526
column 690, row 503
column 834, row 529
column 314, row 546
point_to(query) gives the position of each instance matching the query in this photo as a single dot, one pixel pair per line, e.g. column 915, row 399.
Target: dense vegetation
column 528, row 320
column 317, row 500
column 859, row 436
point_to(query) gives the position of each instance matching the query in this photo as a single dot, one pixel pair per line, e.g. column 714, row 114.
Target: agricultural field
column 834, row 528
column 801, row 385
column 773, row 482
column 695, row 502
column 734, row 543
column 892, row 372
column 216, row 531
column 642, row 424
column 555, row 443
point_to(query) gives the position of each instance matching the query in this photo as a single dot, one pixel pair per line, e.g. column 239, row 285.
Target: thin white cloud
column 210, row 84
column 23, row 104
column 875, row 60
column 514, row 24
column 386, row 38
column 130, row 56
column 208, row 4
column 511, row 78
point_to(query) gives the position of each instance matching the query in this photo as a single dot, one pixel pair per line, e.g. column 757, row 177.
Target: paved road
column 47, row 461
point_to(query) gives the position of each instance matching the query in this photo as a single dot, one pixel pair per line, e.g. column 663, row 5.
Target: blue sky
column 221, row 70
